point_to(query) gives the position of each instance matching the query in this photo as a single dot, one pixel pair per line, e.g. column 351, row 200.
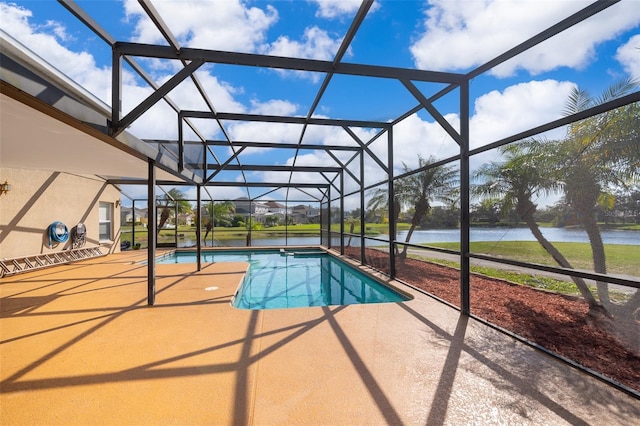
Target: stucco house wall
column 38, row 198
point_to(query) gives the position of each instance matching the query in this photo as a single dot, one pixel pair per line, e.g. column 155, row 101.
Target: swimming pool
column 294, row 279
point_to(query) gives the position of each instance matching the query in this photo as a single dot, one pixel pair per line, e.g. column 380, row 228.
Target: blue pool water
column 295, row 279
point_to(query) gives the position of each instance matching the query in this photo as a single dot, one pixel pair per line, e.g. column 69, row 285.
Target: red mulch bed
column 556, row 322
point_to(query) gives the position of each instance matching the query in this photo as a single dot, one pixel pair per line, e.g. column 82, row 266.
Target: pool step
column 21, row 264
column 302, row 253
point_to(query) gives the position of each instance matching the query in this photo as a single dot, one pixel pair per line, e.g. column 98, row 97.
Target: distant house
column 305, row 214
column 260, row 210
column 127, row 215
column 277, row 208
column 245, row 207
column 185, row 219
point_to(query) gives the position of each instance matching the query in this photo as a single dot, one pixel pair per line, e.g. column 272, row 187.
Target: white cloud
column 331, row 135
column 264, row 132
column 219, row 92
column 337, row 8
column 313, row 159
column 273, row 107
column 79, row 66
column 219, row 193
column 520, row 107
column 58, row 29
column 415, row 136
column 323, row 135
column 496, row 115
column 160, row 121
column 214, row 25
column 459, row 35
column 290, row 133
column 206, row 24
column 139, row 192
column 629, row 56
column 316, row 43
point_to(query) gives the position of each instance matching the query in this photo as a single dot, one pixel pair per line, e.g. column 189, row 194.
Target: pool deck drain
column 79, row 345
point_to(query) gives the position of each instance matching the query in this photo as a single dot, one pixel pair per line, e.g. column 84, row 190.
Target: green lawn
column 370, row 228
column 623, row 227
column 622, row 259
column 220, row 233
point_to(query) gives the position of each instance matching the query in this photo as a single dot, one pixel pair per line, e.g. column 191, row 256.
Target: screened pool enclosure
column 369, row 188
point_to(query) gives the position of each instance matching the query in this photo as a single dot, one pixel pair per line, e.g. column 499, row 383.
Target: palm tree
column 352, row 221
column 379, row 202
column 419, row 190
column 514, row 183
column 598, row 153
column 251, row 225
column 174, row 197
column 218, row 212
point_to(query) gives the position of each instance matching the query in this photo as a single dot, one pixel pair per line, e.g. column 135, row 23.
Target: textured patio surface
column 80, row 346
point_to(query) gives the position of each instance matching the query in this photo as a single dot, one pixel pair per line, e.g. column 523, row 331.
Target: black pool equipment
column 79, row 235
column 58, row 233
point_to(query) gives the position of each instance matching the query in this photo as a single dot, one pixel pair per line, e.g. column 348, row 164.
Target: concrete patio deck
column 80, row 346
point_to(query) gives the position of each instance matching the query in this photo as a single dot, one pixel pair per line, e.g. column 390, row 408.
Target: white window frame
column 108, row 220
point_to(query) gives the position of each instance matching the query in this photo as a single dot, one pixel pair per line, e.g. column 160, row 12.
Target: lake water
column 521, row 234
column 453, row 235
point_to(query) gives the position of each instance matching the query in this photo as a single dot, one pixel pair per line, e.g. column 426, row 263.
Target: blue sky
column 441, row 35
